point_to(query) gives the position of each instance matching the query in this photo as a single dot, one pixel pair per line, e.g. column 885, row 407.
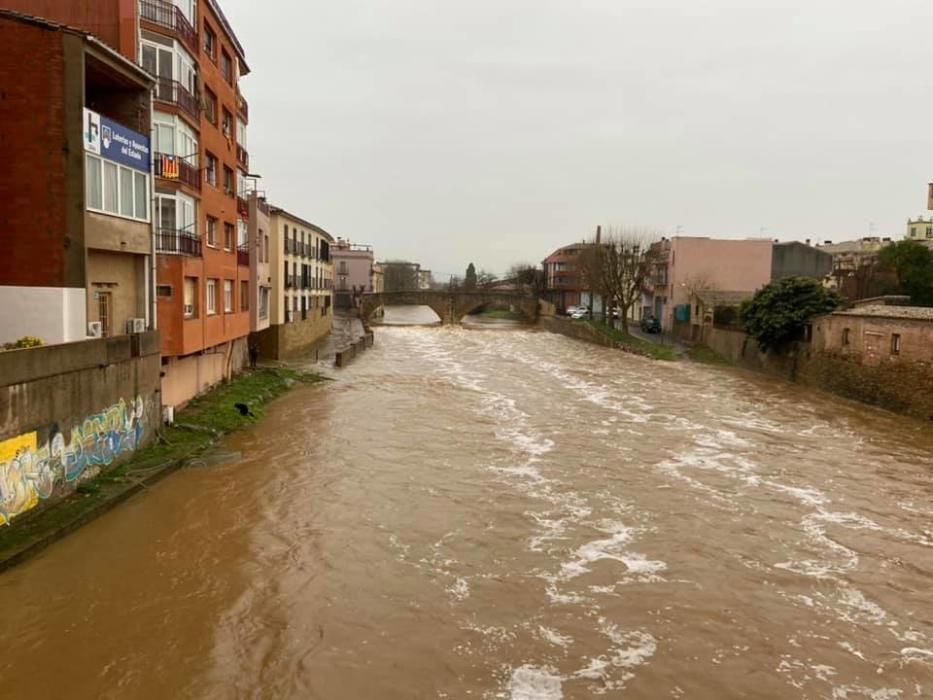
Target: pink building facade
column 687, row 265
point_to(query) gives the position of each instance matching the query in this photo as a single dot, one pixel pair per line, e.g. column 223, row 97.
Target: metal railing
column 167, row 15
column 175, row 242
column 169, row 167
column 242, row 156
column 242, row 105
column 242, row 255
column 174, row 93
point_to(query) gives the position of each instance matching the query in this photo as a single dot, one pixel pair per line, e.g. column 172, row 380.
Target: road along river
column 486, row 514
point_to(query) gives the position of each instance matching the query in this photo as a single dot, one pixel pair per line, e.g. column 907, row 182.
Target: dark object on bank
column 253, row 355
column 244, row 410
column 649, row 324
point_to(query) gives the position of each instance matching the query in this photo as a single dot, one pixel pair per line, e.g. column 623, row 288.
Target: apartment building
column 685, row 265
column 562, row 279
column 353, row 269
column 76, row 186
column 199, row 165
column 260, row 255
column 302, row 283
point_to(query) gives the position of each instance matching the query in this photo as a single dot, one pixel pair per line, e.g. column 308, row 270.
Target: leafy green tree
column 469, row 281
column 912, row 265
column 778, row 312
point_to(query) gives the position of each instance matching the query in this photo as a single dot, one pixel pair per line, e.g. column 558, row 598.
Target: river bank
column 197, row 429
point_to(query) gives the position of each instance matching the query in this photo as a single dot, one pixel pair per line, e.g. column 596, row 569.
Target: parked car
column 581, row 312
column 650, row 324
column 571, row 310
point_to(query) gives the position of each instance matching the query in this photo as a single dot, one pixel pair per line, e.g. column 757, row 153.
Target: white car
column 580, row 312
column 571, row 310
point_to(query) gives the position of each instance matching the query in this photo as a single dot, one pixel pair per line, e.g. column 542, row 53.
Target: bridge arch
column 451, row 306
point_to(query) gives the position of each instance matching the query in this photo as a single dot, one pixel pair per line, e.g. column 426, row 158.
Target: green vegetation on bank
column 706, row 355
column 197, row 428
column 637, row 345
column 500, row 315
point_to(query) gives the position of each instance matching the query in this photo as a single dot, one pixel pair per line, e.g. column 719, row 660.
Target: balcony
column 175, row 169
column 242, row 157
column 167, row 16
column 242, row 106
column 173, row 242
column 242, row 255
column 174, row 93
column 242, row 207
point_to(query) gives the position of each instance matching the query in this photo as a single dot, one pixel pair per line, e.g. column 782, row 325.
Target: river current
column 506, row 514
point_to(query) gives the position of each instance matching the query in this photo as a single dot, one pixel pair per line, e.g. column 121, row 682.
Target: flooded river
column 516, row 515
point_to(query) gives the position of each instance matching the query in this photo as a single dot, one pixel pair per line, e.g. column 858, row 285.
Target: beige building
column 260, row 263
column 302, row 285
column 920, row 229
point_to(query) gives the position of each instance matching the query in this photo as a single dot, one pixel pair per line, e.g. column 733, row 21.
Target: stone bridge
column 453, row 306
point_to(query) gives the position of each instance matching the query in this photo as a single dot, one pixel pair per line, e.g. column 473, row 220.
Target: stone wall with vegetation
column 899, row 386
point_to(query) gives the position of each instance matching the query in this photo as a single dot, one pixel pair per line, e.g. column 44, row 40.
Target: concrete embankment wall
column 289, row 339
column 69, row 411
column 902, row 387
column 184, row 378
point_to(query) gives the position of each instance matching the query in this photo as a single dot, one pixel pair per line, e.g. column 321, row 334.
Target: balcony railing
column 242, row 105
column 167, row 15
column 174, row 93
column 242, row 157
column 242, row 255
column 174, row 242
column 242, row 207
column 169, row 167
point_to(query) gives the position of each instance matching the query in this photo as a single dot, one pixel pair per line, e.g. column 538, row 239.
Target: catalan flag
column 169, row 167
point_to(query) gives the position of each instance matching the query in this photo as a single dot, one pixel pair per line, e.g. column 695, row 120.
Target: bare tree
column 529, row 277
column 616, row 265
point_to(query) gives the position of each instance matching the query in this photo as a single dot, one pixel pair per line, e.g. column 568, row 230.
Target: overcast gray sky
column 494, row 131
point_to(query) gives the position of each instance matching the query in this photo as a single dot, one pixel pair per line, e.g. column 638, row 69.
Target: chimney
column 828, row 243
column 599, row 234
column 808, row 241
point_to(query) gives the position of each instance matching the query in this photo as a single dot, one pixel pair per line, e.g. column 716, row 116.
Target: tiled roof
column 720, row 298
column 913, row 313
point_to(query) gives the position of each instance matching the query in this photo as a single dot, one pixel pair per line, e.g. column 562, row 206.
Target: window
column 244, row 295
column 176, row 213
column 94, row 188
column 241, row 132
column 210, row 106
column 264, row 303
column 211, row 297
column 226, row 124
column 228, row 181
column 164, row 291
column 228, row 236
column 113, row 189
column 228, row 296
column 265, row 256
column 226, row 66
column 846, row 336
column 191, row 297
column 242, row 233
column 210, row 42
column 211, row 170
column 287, row 281
column 212, row 231
column 895, row 344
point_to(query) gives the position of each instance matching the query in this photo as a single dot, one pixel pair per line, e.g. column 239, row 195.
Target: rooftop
column 278, row 211
column 913, row 313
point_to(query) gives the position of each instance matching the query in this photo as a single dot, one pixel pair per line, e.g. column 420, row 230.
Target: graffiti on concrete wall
column 31, row 468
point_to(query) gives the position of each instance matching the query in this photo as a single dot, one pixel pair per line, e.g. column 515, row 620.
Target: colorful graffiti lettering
column 29, row 472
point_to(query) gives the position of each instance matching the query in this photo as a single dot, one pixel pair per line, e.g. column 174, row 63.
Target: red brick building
column 563, row 284
column 877, row 334
column 200, row 162
column 75, row 187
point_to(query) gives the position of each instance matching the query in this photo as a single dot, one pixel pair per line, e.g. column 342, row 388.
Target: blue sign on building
column 124, row 146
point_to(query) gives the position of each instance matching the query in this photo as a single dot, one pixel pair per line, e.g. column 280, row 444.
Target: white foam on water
column 552, row 636
column 850, row 692
column 460, row 589
column 535, row 683
column 916, row 654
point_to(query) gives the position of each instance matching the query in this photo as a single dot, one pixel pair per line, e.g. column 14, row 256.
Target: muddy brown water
column 481, row 514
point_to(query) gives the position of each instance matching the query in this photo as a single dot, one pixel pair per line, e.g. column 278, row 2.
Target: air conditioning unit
column 136, row 325
column 95, row 329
